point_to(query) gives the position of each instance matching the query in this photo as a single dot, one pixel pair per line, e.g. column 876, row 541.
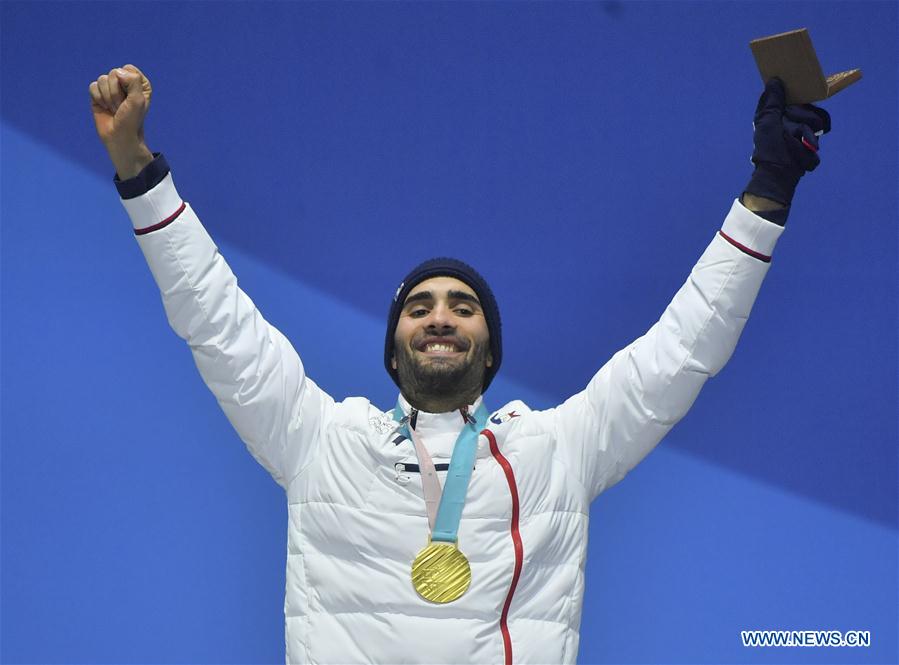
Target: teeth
column 440, row 347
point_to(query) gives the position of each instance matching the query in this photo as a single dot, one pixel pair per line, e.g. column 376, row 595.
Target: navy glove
column 786, row 143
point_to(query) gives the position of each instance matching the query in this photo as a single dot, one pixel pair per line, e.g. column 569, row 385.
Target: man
column 439, row 531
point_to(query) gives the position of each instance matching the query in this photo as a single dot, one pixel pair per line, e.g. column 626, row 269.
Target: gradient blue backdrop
column 582, row 156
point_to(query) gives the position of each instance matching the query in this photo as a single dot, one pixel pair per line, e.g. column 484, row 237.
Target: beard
column 437, row 385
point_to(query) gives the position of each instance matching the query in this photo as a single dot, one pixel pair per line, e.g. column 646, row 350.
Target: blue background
column 581, row 156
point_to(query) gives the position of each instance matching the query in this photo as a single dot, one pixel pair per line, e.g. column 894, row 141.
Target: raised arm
column 647, row 387
column 251, row 368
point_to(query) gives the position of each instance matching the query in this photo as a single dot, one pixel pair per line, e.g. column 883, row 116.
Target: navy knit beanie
column 447, row 267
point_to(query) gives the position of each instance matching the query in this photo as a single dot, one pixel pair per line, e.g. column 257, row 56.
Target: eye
column 418, row 312
column 464, row 311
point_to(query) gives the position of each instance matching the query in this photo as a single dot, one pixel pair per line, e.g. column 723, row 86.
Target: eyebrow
column 452, row 295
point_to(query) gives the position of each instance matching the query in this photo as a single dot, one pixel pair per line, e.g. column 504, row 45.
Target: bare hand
column 120, row 101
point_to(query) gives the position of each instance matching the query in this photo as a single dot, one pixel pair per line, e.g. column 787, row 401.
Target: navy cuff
column 151, row 175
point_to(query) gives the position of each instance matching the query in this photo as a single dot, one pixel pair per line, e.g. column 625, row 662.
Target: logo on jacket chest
column 501, row 417
column 382, row 424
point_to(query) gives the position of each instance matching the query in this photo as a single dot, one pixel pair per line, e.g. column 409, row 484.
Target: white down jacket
column 357, row 517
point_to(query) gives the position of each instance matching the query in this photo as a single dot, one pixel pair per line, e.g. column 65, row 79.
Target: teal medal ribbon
column 455, row 487
column 441, row 573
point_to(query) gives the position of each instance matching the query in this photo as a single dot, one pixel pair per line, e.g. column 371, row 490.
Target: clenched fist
column 120, row 101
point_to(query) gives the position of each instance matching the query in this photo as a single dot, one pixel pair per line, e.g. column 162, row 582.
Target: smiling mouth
column 442, row 348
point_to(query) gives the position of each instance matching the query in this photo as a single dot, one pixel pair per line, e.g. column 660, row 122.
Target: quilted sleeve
column 251, row 368
column 644, row 389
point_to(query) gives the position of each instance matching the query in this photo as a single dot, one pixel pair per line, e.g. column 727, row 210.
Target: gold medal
column 440, row 573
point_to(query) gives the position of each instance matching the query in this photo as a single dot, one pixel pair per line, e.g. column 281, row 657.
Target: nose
column 440, row 319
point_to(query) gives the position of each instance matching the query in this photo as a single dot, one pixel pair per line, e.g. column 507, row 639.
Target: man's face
column 442, row 343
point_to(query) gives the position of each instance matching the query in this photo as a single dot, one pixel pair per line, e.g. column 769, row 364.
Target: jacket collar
column 438, row 423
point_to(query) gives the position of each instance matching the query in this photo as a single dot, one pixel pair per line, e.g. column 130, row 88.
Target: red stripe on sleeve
column 745, row 249
column 168, row 220
column 516, row 541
